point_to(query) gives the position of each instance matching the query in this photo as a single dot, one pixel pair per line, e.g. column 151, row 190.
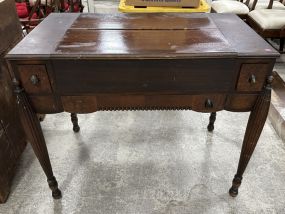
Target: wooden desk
column 83, row 63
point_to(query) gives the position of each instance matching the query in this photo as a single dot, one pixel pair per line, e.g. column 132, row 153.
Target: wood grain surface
column 94, row 62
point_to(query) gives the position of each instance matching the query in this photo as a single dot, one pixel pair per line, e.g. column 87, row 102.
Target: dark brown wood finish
column 74, row 121
column 255, row 125
column 133, row 76
column 123, row 21
column 35, row 136
column 93, row 62
column 12, row 137
column 212, row 120
column 92, row 103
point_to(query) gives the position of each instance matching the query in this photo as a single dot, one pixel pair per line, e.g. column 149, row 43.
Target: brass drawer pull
column 34, row 80
column 252, row 79
column 209, row 103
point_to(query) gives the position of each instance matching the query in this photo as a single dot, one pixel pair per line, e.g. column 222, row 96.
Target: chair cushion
column 22, row 9
column 263, row 4
column 268, row 19
column 230, row 7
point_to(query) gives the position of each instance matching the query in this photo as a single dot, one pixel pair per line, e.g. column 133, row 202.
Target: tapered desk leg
column 74, row 121
column 212, row 121
column 35, row 136
column 255, row 125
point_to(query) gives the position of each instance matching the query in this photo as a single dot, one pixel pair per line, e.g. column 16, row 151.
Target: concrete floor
column 150, row 162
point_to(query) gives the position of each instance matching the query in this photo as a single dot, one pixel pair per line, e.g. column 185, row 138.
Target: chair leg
column 281, row 44
column 74, row 121
column 212, row 120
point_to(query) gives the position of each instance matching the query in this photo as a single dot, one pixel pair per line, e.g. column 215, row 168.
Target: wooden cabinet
column 12, row 140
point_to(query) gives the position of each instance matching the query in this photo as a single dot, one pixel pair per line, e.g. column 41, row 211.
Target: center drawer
column 144, row 75
column 92, row 103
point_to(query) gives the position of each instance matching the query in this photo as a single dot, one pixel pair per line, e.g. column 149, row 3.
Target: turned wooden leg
column 74, row 121
column 212, row 121
column 35, row 136
column 255, row 125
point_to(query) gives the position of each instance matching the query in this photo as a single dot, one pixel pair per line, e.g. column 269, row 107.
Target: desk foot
column 254, row 128
column 56, row 193
column 74, row 121
column 41, row 117
column 236, row 183
column 212, row 121
column 33, row 130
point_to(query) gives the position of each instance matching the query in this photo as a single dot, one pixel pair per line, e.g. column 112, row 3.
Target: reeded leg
column 74, row 121
column 255, row 125
column 212, row 121
column 35, row 136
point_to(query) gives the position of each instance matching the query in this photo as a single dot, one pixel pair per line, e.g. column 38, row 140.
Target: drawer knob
column 34, row 80
column 209, row 103
column 252, row 79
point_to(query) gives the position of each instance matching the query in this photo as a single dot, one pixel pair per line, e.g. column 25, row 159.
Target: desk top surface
column 142, row 36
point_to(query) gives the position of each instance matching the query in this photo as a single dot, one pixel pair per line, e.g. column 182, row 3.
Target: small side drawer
column 34, row 79
column 208, row 103
column 252, row 77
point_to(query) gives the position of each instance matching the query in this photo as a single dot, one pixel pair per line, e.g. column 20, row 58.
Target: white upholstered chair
column 269, row 23
column 231, row 6
column 264, row 4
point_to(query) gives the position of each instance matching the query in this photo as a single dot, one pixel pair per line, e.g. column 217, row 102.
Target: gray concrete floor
column 150, row 162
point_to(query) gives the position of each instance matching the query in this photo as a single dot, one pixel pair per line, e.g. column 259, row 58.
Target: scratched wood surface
column 146, row 35
column 91, row 62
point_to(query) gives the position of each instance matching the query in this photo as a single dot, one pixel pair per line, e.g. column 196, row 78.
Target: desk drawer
column 136, row 76
column 208, row 102
column 34, row 79
column 252, row 77
column 44, row 104
column 240, row 102
column 92, row 103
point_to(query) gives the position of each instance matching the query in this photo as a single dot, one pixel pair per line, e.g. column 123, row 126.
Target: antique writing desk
column 83, row 63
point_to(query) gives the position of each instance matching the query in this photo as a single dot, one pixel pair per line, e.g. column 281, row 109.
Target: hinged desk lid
column 142, row 36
